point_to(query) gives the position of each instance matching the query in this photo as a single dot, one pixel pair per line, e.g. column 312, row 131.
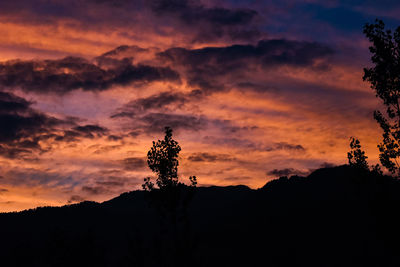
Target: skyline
column 252, row 89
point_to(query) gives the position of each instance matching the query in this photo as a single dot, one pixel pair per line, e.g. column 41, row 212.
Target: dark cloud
column 120, row 50
column 156, row 122
column 95, row 190
column 105, row 149
column 286, row 172
column 153, row 113
column 115, row 12
column 210, row 157
column 229, row 127
column 238, row 179
column 18, row 120
column 154, row 102
column 133, row 164
column 193, row 12
column 78, row 132
column 199, row 22
column 210, row 22
column 72, row 73
column 21, row 127
column 3, row 190
column 104, row 185
column 111, row 182
column 31, row 177
column 90, row 131
column 205, row 66
column 327, row 165
column 115, row 137
column 252, row 145
column 75, row 199
column 285, row 146
column 265, row 53
column 323, row 165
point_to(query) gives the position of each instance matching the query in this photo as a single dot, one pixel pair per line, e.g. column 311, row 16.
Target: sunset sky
column 252, row 89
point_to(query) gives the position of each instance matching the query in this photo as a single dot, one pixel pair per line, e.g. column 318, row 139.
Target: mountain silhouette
column 339, row 216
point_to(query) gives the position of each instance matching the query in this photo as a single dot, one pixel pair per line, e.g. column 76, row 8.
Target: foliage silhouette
column 384, row 78
column 162, row 159
column 358, row 159
column 171, row 199
column 357, row 156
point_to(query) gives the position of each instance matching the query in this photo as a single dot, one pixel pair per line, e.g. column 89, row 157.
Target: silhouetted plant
column 171, row 197
column 193, row 181
column 356, row 155
column 162, row 159
column 358, row 159
column 384, row 78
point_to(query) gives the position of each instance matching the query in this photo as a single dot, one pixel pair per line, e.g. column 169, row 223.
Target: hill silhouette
column 340, row 216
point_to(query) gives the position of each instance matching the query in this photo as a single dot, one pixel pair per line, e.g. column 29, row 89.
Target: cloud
column 211, row 22
column 23, row 130
column 30, row 177
column 90, row 131
column 285, row 146
column 156, row 122
column 327, row 165
column 111, row 182
column 193, row 21
column 78, row 132
column 266, row 53
column 104, row 185
column 154, row 102
column 95, row 190
column 72, row 73
column 286, row 172
column 210, row 157
column 193, row 12
column 205, row 67
column 133, row 164
column 247, row 144
column 75, row 199
column 100, row 149
column 3, row 190
column 21, row 127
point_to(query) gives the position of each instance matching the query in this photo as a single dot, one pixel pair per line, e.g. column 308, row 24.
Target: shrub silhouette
column 384, row 78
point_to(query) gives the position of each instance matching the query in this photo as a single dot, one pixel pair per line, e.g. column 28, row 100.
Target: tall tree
column 162, row 159
column 171, row 200
column 384, row 78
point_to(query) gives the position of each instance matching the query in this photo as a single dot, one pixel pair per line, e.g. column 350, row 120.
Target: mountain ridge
column 340, row 216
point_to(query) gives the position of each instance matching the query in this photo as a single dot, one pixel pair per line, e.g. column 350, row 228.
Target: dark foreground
column 335, row 217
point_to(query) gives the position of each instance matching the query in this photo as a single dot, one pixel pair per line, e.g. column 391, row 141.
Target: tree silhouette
column 384, row 78
column 357, row 156
column 171, row 199
column 162, row 159
column 358, row 159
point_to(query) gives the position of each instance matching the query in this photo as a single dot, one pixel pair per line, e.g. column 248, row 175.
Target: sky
column 253, row 90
